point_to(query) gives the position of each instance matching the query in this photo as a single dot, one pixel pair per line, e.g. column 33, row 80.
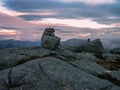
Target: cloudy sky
column 27, row 19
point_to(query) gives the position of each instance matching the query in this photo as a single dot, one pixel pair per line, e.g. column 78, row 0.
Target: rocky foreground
column 35, row 68
column 54, row 67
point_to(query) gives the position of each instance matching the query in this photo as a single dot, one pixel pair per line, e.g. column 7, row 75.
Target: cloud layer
column 67, row 10
column 71, row 18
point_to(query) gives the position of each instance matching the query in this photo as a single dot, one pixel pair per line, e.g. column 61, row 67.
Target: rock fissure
column 9, row 77
column 33, row 58
column 109, row 78
column 41, row 69
column 104, row 76
column 110, row 65
column 58, row 82
column 107, row 87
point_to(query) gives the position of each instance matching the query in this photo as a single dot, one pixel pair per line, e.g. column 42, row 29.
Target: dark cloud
column 107, row 20
column 32, row 5
column 10, row 28
column 31, row 17
column 100, row 13
column 66, row 10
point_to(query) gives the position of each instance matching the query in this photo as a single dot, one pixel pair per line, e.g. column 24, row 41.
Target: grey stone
column 13, row 57
column 4, row 80
column 28, row 76
column 114, row 88
column 49, row 40
column 115, row 51
column 72, row 76
column 73, row 44
column 35, row 68
column 77, row 45
column 111, row 57
column 10, row 59
column 94, row 46
column 66, row 53
column 90, row 67
column 49, row 74
column 87, row 56
column 114, row 74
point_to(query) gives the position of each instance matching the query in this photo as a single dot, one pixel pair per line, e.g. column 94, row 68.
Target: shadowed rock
column 79, row 45
column 49, row 40
column 94, row 46
column 115, row 51
column 53, row 70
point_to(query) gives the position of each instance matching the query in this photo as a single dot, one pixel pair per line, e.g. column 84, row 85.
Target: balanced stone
column 49, row 40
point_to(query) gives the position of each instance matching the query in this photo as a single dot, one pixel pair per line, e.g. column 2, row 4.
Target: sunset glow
column 85, row 35
column 86, row 23
column 8, row 32
column 27, row 19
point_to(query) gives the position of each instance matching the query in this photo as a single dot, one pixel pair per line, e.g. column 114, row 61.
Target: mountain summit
column 41, row 68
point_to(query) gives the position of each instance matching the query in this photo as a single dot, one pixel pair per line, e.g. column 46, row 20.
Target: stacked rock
column 49, row 40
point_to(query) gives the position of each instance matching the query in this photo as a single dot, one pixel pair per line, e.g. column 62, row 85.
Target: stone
column 78, row 45
column 49, row 40
column 35, row 68
column 27, row 77
column 10, row 59
column 66, row 53
column 86, row 56
column 94, row 46
column 4, row 80
column 89, row 67
column 114, row 74
column 71, row 76
column 49, row 74
column 115, row 88
column 111, row 57
column 115, row 51
column 73, row 44
column 13, row 57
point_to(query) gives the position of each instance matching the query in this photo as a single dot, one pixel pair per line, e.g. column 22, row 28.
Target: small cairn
column 49, row 40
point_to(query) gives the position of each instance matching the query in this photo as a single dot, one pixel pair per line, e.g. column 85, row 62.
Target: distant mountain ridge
column 109, row 44
column 17, row 43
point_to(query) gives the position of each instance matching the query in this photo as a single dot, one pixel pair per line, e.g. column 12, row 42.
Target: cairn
column 49, row 40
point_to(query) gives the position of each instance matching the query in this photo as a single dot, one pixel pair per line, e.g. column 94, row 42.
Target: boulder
column 115, row 51
column 79, row 45
column 49, row 40
column 73, row 44
column 94, row 46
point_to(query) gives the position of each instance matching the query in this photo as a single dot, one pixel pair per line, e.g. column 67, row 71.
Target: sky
column 82, row 19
